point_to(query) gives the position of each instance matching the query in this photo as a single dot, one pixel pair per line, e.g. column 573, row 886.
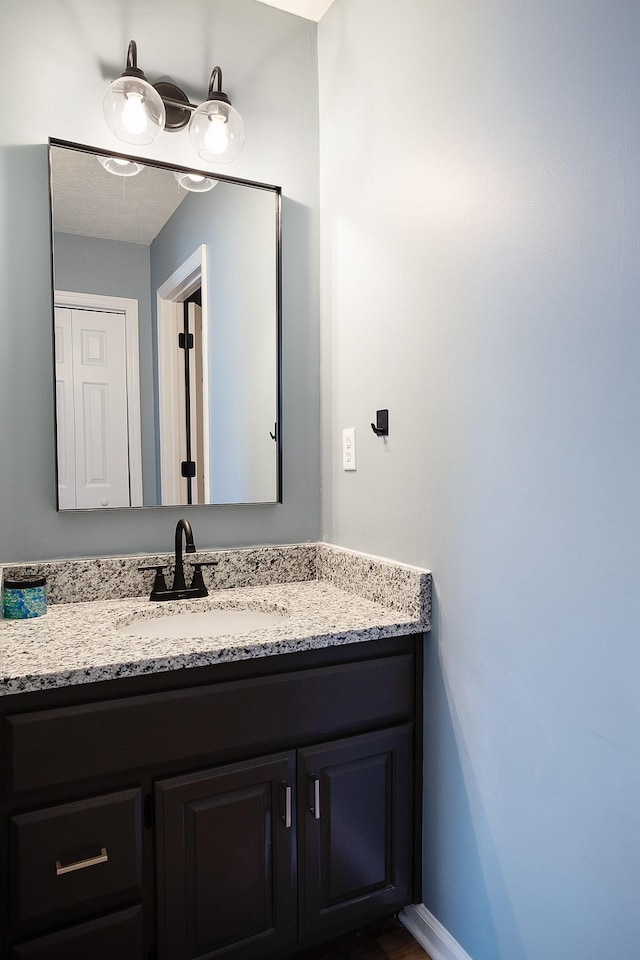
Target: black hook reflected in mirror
column 381, row 426
column 274, row 435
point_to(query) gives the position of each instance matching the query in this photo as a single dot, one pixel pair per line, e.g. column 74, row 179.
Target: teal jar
column 24, row 598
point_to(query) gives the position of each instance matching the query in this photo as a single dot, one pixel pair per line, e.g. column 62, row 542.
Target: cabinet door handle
column 286, row 819
column 315, row 809
column 61, row 868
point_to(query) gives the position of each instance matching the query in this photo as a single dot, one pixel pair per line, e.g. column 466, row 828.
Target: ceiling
column 310, row 9
column 89, row 202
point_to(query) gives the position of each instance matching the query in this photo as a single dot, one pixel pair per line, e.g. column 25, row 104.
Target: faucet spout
column 182, row 526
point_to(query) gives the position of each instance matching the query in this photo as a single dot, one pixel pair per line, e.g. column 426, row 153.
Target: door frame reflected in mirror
column 190, row 276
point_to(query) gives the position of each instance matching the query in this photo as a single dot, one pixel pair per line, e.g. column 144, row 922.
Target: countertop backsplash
column 396, row 585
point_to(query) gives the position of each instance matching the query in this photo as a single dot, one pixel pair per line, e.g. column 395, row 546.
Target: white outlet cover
column 349, row 448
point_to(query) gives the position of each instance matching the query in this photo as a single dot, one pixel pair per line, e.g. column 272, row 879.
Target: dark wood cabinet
column 356, row 829
column 226, row 861
column 242, row 811
column 230, row 839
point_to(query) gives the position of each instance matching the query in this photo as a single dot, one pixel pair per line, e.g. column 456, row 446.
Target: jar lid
column 23, row 583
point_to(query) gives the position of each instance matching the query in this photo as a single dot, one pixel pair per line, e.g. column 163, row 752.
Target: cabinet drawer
column 120, row 935
column 76, row 857
column 51, row 747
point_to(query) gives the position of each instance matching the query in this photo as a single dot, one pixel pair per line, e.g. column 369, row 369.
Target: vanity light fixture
column 195, row 182
column 137, row 112
column 120, row 167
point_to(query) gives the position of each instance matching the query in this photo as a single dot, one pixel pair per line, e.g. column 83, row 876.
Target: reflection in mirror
column 167, row 333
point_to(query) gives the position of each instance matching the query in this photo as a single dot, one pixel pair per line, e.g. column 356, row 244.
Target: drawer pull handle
column 81, row 864
column 286, row 819
column 315, row 809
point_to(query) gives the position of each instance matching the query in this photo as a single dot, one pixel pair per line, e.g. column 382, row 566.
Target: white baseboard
column 431, row 935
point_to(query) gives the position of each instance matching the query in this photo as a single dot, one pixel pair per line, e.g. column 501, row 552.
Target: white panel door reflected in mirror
column 187, row 285
column 97, row 409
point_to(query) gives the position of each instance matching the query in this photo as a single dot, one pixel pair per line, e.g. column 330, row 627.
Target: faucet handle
column 197, row 568
column 198, row 587
column 159, row 583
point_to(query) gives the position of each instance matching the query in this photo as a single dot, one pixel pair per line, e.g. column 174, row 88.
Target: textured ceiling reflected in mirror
column 88, row 202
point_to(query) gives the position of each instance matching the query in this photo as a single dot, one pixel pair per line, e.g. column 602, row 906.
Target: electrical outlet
column 349, row 448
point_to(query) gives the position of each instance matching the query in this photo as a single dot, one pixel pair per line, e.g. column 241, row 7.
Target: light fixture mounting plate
column 177, row 116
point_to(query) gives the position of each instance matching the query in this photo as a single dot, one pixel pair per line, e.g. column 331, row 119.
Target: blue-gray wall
column 268, row 57
column 237, row 225
column 480, row 197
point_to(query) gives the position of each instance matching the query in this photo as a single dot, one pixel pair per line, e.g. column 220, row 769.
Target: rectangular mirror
column 166, row 333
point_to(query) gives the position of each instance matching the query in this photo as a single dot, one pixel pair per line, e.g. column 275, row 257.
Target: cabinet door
column 226, row 864
column 355, row 823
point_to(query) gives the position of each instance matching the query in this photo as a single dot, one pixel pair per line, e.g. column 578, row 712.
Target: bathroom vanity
column 261, row 801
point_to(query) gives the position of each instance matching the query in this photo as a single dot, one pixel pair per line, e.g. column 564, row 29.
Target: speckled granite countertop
column 80, row 642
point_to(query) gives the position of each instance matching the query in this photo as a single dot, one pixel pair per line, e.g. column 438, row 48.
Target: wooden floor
column 382, row 941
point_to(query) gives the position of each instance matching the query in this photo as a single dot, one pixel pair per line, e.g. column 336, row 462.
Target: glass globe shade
column 217, row 131
column 195, row 182
column 134, row 111
column 121, row 167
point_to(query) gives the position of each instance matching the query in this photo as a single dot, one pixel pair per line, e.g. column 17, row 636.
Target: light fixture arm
column 165, row 89
column 171, row 102
column 216, row 92
column 132, row 69
column 216, row 77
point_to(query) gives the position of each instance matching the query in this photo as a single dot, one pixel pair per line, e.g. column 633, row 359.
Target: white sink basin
column 205, row 623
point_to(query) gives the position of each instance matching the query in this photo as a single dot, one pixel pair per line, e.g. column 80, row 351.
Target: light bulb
column 217, row 131
column 134, row 116
column 216, row 139
column 134, row 111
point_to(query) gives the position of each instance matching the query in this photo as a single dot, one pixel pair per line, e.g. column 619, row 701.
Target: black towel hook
column 381, row 426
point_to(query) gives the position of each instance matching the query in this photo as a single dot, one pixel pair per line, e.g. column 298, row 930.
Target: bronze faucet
column 179, row 590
